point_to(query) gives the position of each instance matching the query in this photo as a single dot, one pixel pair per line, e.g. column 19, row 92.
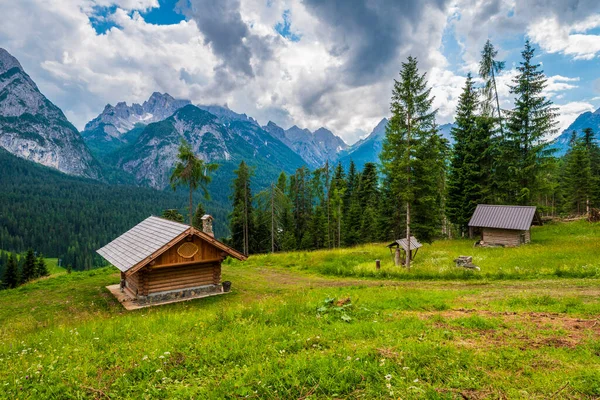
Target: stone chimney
column 207, row 225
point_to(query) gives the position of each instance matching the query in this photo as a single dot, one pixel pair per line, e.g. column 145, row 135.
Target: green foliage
column 11, row 277
column 470, row 179
column 532, row 119
column 29, row 267
column 41, row 269
column 413, row 157
column 70, row 218
column 193, row 172
column 241, row 219
column 172, row 214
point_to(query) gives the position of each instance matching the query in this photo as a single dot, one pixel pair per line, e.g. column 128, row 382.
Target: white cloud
column 554, row 37
column 310, row 82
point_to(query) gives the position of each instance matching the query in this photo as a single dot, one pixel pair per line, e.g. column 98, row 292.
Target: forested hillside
column 69, row 217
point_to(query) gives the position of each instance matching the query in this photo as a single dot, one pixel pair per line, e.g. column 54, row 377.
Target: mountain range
column 33, row 128
column 138, row 143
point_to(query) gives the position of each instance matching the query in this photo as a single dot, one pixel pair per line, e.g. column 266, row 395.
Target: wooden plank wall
column 206, row 251
column 175, row 278
column 503, row 236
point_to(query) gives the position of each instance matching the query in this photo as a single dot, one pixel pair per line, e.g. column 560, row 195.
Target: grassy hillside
column 290, row 329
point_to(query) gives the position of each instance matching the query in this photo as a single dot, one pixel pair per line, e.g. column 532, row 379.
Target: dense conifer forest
column 70, row 218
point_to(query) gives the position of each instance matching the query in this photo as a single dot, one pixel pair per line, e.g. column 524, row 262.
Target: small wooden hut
column 164, row 261
column 503, row 225
column 402, row 245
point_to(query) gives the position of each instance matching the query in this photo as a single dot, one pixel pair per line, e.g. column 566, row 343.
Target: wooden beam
column 187, row 263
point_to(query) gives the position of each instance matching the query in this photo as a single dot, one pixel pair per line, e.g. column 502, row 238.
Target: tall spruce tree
column 463, row 132
column 530, row 122
column 241, row 219
column 368, row 200
column 29, row 268
column 469, row 178
column 41, row 269
column 11, row 273
column 489, row 68
column 589, row 140
column 412, row 156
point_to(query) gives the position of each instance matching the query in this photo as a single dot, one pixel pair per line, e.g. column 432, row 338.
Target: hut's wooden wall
column 206, row 251
column 155, row 280
column 505, row 237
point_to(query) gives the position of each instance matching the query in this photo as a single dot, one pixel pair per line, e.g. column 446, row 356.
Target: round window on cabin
column 187, row 250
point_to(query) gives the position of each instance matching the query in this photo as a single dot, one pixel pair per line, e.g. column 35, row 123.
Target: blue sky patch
column 284, row 28
column 165, row 14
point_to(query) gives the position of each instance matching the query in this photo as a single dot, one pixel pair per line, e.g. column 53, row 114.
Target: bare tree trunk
column 246, row 218
column 327, row 187
column 272, row 219
column 191, row 204
column 408, row 194
column 497, row 103
column 339, row 225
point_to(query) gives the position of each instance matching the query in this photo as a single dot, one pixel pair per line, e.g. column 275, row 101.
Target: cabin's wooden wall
column 503, row 237
column 155, row 280
column 132, row 282
column 206, row 251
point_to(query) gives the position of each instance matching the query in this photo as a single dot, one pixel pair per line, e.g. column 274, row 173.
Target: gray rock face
column 114, row 121
column 32, row 127
column 315, row 148
column 152, row 156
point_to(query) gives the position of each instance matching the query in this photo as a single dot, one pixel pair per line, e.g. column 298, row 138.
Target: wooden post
column 377, row 265
column 397, row 256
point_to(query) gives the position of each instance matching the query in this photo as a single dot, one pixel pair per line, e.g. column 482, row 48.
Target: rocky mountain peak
column 32, row 127
column 8, row 62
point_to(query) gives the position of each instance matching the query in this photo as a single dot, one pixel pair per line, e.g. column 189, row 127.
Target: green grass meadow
column 325, row 325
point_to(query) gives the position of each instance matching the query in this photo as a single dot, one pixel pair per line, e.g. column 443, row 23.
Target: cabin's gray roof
column 414, row 244
column 141, row 241
column 517, row 218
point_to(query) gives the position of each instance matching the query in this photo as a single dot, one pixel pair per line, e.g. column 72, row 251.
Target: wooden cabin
column 163, row 261
column 500, row 225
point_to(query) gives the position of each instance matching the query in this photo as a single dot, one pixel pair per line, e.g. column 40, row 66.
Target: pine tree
column 11, row 273
column 197, row 220
column 462, row 133
column 577, row 177
column 412, row 156
column 193, row 172
column 368, row 198
column 530, row 122
column 242, row 217
column 41, row 269
column 29, row 269
column 489, row 68
column 172, row 215
column 469, row 177
column 352, row 214
column 589, row 140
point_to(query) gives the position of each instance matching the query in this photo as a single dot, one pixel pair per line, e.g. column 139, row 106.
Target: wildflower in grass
column 416, row 380
column 144, row 358
column 161, row 356
column 158, row 371
column 167, row 353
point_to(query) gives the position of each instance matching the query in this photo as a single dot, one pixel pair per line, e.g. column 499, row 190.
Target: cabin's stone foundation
column 179, row 294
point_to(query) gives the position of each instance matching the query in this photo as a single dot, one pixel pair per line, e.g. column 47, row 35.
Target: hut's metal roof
column 141, row 241
column 517, row 218
column 414, row 243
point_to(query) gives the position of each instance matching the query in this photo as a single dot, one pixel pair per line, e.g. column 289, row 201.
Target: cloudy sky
column 307, row 62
